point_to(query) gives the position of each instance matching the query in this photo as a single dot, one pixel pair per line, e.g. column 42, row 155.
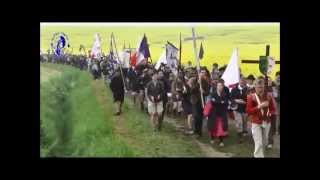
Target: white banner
column 231, row 75
column 96, row 48
column 171, row 56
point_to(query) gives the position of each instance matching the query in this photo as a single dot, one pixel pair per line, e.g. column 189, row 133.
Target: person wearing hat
column 238, row 98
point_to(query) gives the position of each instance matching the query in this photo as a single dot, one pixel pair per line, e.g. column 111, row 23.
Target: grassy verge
column 72, row 122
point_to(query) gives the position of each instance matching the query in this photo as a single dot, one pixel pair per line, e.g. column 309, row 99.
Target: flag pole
column 180, row 53
column 150, row 58
column 129, row 55
column 149, row 53
column 198, row 63
column 115, row 46
column 266, row 79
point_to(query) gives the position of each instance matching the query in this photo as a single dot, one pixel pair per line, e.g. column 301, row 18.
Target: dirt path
column 207, row 150
column 119, row 127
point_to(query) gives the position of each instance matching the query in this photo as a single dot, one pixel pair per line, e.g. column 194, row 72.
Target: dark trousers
column 95, row 74
column 272, row 131
column 197, row 115
column 162, row 115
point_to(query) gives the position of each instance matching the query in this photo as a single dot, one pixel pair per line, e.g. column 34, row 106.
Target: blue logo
column 59, row 43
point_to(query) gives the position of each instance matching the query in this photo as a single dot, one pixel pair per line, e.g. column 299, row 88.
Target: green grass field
column 73, row 124
column 218, row 41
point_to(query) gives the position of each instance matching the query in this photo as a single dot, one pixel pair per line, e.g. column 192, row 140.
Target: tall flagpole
column 198, row 63
column 149, row 53
column 115, row 46
column 129, row 55
column 180, row 53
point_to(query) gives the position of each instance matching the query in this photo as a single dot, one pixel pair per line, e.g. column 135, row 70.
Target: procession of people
column 252, row 104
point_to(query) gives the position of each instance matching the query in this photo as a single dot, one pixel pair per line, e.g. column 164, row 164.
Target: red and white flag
column 142, row 52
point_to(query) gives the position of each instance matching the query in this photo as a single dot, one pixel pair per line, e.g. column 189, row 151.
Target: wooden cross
column 198, row 64
column 264, row 111
column 257, row 61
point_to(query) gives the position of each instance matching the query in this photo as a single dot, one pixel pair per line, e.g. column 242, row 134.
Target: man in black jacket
column 195, row 98
column 154, row 95
column 238, row 98
column 133, row 83
column 117, row 88
column 166, row 89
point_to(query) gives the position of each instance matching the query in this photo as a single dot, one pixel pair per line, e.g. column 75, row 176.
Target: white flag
column 171, row 57
column 231, row 75
column 162, row 59
column 96, row 48
column 125, row 58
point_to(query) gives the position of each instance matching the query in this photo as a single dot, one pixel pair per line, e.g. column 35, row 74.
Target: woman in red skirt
column 217, row 120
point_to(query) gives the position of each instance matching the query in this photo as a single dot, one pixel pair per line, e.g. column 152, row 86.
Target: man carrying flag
column 231, row 76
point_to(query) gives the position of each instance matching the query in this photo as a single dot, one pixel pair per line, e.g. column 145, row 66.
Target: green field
column 218, row 41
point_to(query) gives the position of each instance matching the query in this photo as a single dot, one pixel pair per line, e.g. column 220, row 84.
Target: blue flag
column 144, row 48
